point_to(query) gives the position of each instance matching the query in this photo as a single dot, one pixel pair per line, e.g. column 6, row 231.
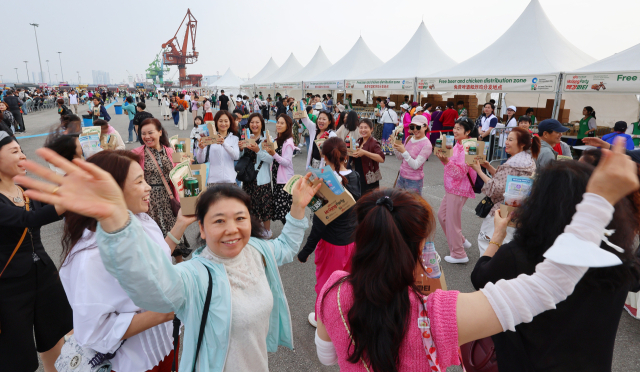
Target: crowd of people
column 130, row 277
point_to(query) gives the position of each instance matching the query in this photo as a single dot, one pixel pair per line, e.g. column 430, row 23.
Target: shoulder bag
column 479, row 356
column 24, row 233
column 175, row 205
column 484, row 207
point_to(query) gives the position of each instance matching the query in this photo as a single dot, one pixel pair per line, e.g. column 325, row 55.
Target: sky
column 123, row 37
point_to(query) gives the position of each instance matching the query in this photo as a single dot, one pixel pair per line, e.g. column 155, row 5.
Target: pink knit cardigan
column 441, row 309
column 456, row 181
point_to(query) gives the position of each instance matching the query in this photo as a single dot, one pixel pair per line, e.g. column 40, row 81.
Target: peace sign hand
column 85, row 189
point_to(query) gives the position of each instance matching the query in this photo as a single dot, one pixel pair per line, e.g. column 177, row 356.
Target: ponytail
column 335, row 152
column 535, row 147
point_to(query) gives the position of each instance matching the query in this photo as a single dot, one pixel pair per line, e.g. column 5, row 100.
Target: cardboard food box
column 188, row 203
column 470, row 159
column 108, row 142
column 447, row 152
column 179, row 157
column 428, row 285
column 505, row 210
column 297, row 112
column 326, row 205
column 246, row 137
column 268, row 142
column 353, row 147
column 212, row 136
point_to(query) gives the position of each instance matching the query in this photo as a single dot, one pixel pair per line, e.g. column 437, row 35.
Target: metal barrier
column 47, row 104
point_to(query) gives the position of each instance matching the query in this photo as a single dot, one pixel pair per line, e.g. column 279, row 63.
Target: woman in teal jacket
column 153, row 283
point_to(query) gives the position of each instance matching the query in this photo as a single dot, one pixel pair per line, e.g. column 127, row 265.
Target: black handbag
column 246, row 171
column 484, row 207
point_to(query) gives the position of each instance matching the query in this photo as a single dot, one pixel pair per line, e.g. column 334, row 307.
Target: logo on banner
column 535, row 80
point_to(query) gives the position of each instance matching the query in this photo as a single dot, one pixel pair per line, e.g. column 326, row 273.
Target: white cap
column 319, row 106
column 419, row 108
column 392, row 104
column 511, row 108
column 405, row 106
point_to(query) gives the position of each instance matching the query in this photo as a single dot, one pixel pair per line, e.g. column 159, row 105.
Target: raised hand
column 302, row 193
column 85, row 189
column 616, row 176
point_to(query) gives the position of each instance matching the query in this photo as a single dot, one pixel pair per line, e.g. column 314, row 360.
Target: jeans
column 411, row 185
column 24, row 108
column 131, row 130
column 176, row 117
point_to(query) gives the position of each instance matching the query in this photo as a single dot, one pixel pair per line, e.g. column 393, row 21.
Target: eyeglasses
column 414, row 127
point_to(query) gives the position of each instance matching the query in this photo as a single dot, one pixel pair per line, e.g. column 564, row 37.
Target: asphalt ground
column 299, row 278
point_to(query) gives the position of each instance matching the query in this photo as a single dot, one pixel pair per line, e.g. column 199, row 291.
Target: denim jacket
column 154, row 283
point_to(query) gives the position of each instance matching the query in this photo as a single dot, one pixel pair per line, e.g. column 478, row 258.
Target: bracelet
column 173, row 238
column 497, row 244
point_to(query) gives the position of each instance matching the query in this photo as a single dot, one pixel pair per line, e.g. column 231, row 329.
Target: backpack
column 246, row 171
column 107, row 117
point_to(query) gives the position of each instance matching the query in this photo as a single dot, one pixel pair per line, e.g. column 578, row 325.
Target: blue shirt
column 610, row 138
column 131, row 111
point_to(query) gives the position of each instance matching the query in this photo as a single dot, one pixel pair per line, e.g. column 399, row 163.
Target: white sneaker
column 467, row 244
column 452, row 260
column 312, row 319
column 129, row 142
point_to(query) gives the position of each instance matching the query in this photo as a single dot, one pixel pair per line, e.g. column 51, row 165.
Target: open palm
column 85, row 189
column 304, row 190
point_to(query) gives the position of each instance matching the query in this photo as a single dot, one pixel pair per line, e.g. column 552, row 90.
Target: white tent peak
column 627, row 60
column 228, row 80
column 359, row 60
column 420, row 57
column 532, row 45
column 289, row 68
column 319, row 62
column 267, row 70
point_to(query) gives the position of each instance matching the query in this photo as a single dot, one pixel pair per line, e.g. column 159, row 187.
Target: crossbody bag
column 175, row 205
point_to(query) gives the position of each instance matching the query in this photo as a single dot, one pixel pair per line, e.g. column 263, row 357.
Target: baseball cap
column 419, row 108
column 512, row 108
column 392, row 104
column 420, row 120
column 405, row 106
column 549, row 125
column 319, row 106
column 620, row 126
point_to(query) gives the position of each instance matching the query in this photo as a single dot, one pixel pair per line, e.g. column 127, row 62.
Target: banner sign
column 288, row 85
column 328, row 85
column 264, row 87
column 247, row 86
column 607, row 82
column 386, row 84
column 546, row 83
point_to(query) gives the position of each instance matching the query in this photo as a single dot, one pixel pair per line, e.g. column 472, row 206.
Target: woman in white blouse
column 165, row 110
column 222, row 154
column 103, row 314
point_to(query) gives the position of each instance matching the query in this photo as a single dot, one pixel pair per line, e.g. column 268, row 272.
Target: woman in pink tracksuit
column 458, row 181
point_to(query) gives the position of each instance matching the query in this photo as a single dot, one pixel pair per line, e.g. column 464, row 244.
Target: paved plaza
column 299, row 278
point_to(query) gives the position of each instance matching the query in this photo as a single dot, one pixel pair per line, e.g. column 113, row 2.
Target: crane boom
column 177, row 54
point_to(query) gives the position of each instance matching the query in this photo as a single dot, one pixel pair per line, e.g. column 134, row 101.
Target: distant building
column 209, row 80
column 100, row 77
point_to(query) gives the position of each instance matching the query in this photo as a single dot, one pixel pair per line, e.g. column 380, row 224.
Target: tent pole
column 415, row 90
column 499, row 106
column 558, row 98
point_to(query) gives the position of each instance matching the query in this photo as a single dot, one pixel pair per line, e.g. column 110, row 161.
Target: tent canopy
column 289, row 68
column 267, row 70
column 228, row 80
column 532, row 45
column 318, row 63
column 627, row 60
column 359, row 60
column 420, row 57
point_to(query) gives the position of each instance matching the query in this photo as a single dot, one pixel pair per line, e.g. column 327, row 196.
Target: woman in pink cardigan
column 156, row 147
column 282, row 167
column 375, row 318
column 458, row 180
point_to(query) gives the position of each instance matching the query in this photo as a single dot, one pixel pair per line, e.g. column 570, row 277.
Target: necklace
column 16, row 199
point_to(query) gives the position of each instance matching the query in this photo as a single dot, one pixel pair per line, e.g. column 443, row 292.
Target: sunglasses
column 414, row 127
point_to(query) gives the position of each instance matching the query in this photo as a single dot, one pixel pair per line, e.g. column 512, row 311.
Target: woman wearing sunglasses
column 415, row 151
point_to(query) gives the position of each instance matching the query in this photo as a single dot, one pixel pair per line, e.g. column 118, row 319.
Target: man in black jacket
column 140, row 116
column 13, row 105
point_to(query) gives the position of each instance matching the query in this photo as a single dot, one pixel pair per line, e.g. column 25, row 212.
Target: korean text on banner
column 546, row 83
column 613, row 82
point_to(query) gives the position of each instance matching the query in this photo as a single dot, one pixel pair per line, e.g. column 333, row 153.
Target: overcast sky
column 117, row 36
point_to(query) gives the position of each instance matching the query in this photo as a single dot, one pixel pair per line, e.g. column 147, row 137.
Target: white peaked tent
column 532, row 45
column 359, row 60
column 267, row 70
column 289, row 68
column 228, row 80
column 627, row 60
column 420, row 57
column 318, row 63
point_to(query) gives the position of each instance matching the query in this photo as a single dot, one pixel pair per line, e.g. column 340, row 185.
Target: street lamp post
column 78, row 77
column 49, row 71
column 38, row 47
column 17, row 78
column 60, row 58
column 27, row 67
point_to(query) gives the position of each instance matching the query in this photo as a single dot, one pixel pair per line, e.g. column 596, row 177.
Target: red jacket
column 449, row 117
